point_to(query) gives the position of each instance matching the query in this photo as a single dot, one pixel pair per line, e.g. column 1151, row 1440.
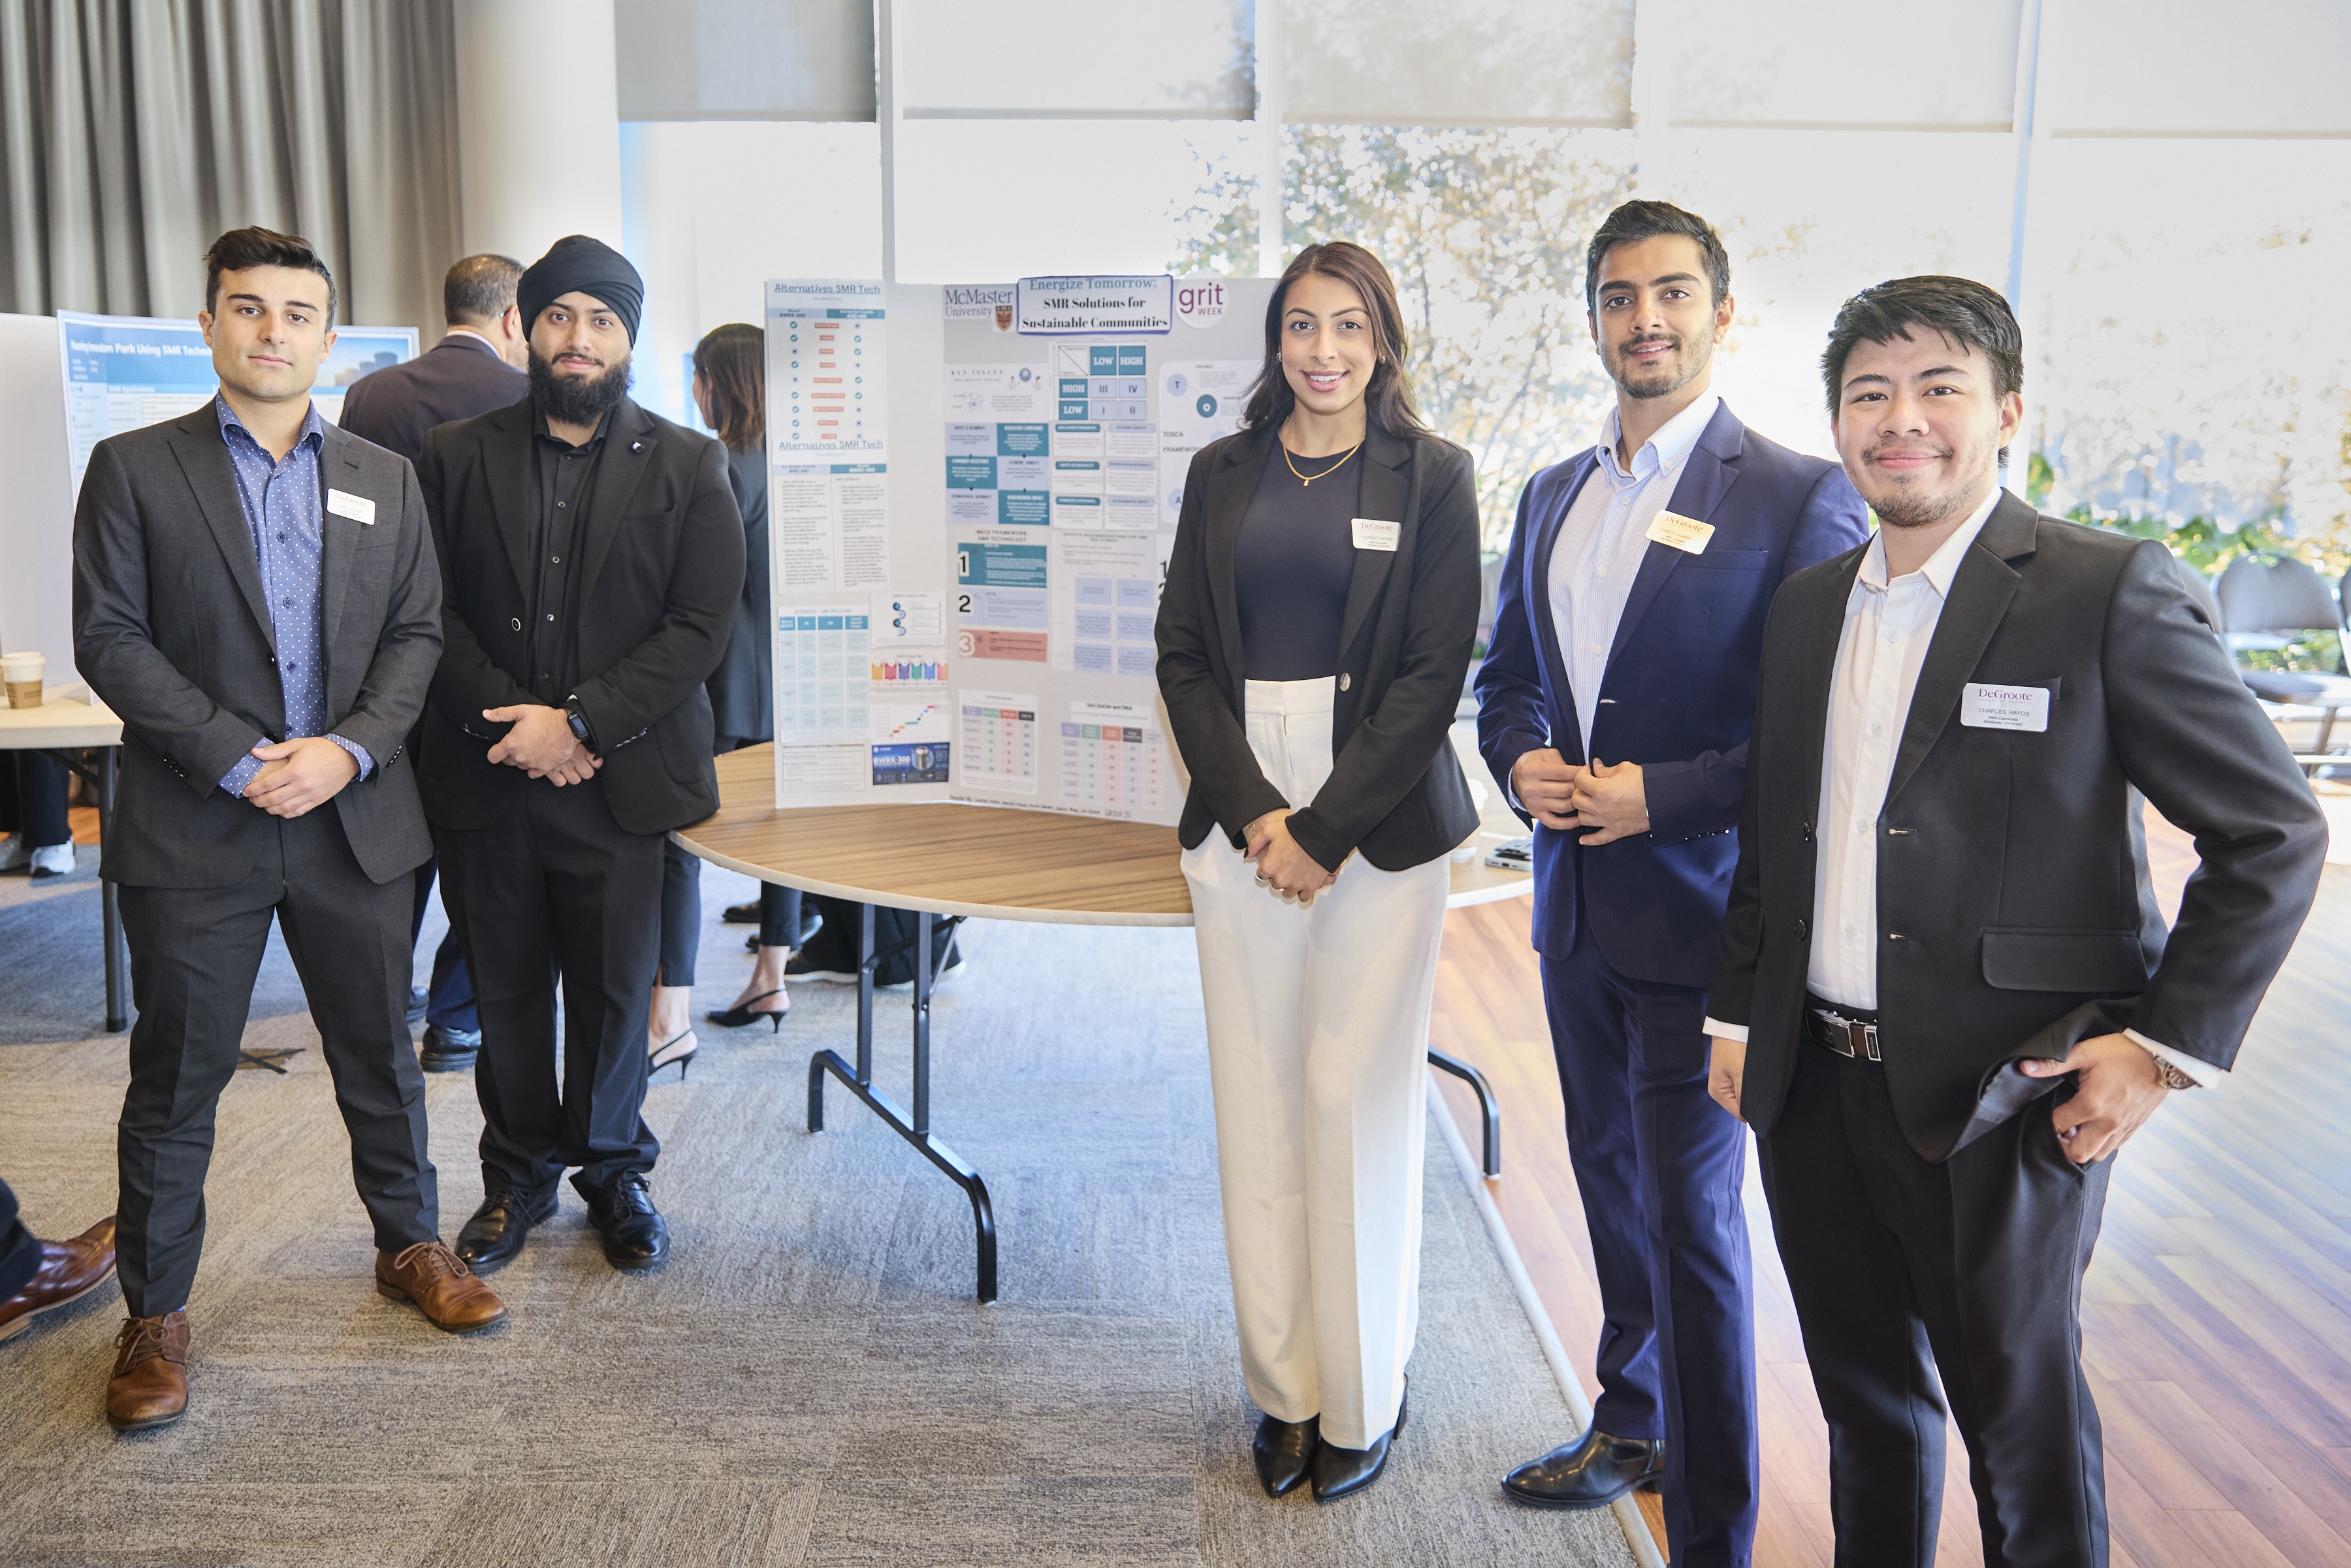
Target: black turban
column 577, row 264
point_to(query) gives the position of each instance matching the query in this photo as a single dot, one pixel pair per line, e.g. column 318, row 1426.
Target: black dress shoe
column 1343, row 1472
column 626, row 1221
column 741, row 913
column 447, row 1050
column 417, row 1002
column 496, row 1233
column 1284, row 1451
column 1591, row 1472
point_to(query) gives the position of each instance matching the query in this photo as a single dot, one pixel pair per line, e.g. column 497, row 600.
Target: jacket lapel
column 1386, row 496
column 1706, row 478
column 203, row 459
column 1537, row 592
column 507, row 459
column 339, row 536
column 1231, row 489
column 1980, row 591
column 1822, row 622
column 629, row 444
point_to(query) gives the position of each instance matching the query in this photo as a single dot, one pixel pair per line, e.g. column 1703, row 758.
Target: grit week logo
column 1200, row 303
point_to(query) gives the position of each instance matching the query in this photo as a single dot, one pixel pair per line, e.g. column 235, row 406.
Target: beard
column 578, row 399
column 1899, row 507
column 1661, row 380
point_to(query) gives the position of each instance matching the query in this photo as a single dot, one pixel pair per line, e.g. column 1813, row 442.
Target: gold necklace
column 1304, row 480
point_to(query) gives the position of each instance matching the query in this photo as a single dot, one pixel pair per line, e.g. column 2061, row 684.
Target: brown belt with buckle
column 1848, row 1032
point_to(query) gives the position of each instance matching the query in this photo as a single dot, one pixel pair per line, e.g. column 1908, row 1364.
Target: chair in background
column 2266, row 599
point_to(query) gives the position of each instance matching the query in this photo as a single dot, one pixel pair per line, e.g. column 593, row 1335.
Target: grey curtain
column 132, row 132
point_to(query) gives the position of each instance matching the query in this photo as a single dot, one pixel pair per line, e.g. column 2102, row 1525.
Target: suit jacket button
column 1808, row 832
column 518, row 623
column 1802, row 931
column 1343, row 680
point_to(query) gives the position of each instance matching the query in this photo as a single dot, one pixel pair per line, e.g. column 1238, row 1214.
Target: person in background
column 1613, row 709
column 1320, row 610
column 730, row 383
column 255, row 594
column 38, row 1276
column 33, row 793
column 1946, row 996
column 593, row 557
column 477, row 367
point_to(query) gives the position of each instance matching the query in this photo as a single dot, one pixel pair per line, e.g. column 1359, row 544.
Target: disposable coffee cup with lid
column 21, row 672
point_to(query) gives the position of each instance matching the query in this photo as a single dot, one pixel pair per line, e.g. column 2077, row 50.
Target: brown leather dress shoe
column 442, row 1287
column 69, row 1270
column 151, row 1372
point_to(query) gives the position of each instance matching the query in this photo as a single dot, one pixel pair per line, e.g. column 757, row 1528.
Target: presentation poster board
column 125, row 372
column 36, row 522
column 973, row 494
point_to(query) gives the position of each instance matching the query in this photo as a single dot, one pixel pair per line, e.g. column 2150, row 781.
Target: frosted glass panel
column 1005, row 59
column 1829, row 63
column 1471, row 62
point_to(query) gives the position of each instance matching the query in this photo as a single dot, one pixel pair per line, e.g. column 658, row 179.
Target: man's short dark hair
column 255, row 247
column 1637, row 221
column 1960, row 309
column 479, row 288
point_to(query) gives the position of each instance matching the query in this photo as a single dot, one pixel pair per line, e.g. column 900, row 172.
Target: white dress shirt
column 1602, row 541
column 1889, row 627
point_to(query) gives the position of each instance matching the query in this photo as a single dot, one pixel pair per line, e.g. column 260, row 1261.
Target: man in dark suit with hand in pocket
column 1946, row 995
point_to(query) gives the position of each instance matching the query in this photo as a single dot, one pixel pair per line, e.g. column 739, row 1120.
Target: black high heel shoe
column 663, row 1058
column 1284, row 1452
column 741, row 1013
column 1343, row 1472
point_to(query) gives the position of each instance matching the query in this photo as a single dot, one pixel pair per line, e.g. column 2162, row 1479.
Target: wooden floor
column 2217, row 1314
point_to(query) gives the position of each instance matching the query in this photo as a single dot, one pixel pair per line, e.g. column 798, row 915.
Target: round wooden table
column 997, row 864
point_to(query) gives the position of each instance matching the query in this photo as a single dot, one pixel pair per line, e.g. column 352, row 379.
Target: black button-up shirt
column 564, row 480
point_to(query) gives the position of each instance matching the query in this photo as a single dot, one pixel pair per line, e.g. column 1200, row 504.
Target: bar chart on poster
column 973, row 493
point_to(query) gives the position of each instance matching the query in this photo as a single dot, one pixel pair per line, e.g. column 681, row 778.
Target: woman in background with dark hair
column 730, row 392
column 1317, row 624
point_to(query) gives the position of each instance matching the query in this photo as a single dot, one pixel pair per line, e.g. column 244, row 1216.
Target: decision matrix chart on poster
column 973, row 495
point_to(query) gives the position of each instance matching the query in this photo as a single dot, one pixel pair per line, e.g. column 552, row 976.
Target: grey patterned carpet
column 808, row 1381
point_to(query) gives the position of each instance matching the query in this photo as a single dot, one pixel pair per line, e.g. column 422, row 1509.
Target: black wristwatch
column 578, row 721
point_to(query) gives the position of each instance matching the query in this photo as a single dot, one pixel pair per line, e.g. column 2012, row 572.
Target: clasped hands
column 1282, row 868
column 2118, row 1090
column 541, row 744
column 300, row 774
column 1605, row 801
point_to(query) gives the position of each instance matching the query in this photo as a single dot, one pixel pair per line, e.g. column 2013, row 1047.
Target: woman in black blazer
column 1317, row 624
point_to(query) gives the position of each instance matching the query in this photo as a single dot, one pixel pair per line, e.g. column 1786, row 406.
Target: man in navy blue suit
column 1615, row 706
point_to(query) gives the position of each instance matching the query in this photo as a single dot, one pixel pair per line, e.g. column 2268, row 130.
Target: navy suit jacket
column 456, row 378
column 1679, row 697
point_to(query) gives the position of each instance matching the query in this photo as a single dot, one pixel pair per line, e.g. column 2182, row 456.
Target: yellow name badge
column 1682, row 533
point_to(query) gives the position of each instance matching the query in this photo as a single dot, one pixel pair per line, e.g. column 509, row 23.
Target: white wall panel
column 2176, row 67
column 1830, row 63
column 1468, row 62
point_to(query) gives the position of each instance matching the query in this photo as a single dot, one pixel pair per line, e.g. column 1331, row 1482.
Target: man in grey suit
column 255, row 594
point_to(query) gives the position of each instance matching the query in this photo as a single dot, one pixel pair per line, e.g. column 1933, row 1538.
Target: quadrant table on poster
column 994, row 862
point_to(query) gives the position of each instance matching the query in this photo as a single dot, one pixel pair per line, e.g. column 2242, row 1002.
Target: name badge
column 359, row 509
column 1682, row 533
column 2005, row 707
column 1372, row 533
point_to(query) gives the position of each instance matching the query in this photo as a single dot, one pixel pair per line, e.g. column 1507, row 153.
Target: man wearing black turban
column 590, row 556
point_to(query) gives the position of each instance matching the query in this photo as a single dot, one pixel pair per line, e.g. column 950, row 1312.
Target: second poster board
column 973, row 493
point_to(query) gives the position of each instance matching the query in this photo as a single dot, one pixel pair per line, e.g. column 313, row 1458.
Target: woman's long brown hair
column 1387, row 402
column 732, row 361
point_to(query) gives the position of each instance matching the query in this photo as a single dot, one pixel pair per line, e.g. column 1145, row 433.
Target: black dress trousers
column 194, row 953
column 1973, row 1269
column 557, row 890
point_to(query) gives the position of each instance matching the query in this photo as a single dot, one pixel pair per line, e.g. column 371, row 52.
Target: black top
column 740, row 704
column 565, row 477
column 1292, row 565
column 457, row 378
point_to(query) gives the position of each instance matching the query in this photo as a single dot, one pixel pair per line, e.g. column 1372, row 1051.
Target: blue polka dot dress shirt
column 286, row 510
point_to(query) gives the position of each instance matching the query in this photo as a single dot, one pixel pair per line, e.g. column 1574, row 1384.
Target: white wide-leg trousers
column 1318, row 1042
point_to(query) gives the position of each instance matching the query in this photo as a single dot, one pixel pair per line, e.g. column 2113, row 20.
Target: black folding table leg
column 1486, row 1103
column 914, row 1129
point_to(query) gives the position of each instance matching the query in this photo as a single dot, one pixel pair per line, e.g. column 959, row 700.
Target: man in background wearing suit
column 1613, row 708
column 593, row 554
column 255, row 592
column 478, row 366
column 1945, row 993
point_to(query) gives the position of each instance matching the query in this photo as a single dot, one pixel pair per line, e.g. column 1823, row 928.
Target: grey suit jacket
column 2015, row 914
column 172, row 630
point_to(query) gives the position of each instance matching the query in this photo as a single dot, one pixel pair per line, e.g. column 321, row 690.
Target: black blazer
column 2014, row 909
column 457, row 378
column 742, row 703
column 172, row 630
column 661, row 563
column 1396, row 790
